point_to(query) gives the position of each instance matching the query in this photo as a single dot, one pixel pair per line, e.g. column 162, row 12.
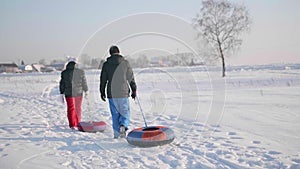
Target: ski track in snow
column 34, row 134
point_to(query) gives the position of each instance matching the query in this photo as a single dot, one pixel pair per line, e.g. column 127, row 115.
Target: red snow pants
column 74, row 110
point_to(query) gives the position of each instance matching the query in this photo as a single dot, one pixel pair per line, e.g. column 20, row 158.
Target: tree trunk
column 222, row 58
column 223, row 66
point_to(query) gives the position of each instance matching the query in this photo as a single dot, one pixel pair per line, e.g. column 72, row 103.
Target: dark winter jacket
column 117, row 74
column 73, row 81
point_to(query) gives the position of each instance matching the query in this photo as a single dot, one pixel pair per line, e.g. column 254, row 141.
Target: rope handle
column 138, row 100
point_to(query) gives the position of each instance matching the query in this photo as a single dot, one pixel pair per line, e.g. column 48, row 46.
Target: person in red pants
column 72, row 85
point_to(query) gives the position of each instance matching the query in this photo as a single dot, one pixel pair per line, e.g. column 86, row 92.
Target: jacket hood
column 70, row 65
column 115, row 59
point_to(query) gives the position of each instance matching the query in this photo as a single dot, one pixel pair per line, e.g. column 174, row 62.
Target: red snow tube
column 91, row 126
column 150, row 136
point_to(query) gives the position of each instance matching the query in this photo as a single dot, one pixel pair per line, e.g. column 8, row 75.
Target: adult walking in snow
column 72, row 85
column 116, row 74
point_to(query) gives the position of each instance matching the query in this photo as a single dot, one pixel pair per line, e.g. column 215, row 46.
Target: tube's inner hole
column 150, row 129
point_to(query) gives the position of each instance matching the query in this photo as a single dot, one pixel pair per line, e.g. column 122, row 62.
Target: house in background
column 26, row 68
column 9, row 68
column 59, row 66
column 157, row 62
column 38, row 67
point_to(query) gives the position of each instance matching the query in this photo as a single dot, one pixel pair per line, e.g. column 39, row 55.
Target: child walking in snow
column 72, row 85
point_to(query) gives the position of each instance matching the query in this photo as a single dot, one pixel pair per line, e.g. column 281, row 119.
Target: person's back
column 116, row 73
column 73, row 81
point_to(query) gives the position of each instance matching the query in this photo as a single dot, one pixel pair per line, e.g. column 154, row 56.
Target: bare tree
column 42, row 61
column 221, row 23
column 85, row 59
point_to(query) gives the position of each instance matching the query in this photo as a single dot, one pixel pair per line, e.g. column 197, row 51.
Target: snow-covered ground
column 250, row 119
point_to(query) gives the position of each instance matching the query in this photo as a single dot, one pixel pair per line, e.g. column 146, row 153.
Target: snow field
column 250, row 119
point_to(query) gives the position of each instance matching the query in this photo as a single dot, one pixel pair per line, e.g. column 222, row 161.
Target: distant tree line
column 137, row 61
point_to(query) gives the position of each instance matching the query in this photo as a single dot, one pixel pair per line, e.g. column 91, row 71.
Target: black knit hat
column 113, row 50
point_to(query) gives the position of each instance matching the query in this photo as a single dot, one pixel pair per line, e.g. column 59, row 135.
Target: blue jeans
column 120, row 112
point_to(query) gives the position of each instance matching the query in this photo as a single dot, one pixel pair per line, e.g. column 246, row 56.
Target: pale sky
column 31, row 30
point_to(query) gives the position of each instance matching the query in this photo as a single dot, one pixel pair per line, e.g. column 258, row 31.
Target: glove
column 86, row 96
column 103, row 97
column 133, row 95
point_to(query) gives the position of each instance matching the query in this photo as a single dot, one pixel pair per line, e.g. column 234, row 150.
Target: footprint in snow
column 251, row 147
column 256, row 142
column 296, row 161
column 236, row 138
column 274, row 152
column 231, row 133
column 4, row 155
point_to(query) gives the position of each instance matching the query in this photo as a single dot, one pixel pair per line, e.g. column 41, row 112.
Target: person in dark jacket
column 72, row 85
column 115, row 76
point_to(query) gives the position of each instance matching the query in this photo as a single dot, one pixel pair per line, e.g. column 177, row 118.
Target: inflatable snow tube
column 150, row 136
column 91, row 126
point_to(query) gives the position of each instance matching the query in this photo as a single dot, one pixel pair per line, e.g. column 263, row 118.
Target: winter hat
column 113, row 50
column 72, row 59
